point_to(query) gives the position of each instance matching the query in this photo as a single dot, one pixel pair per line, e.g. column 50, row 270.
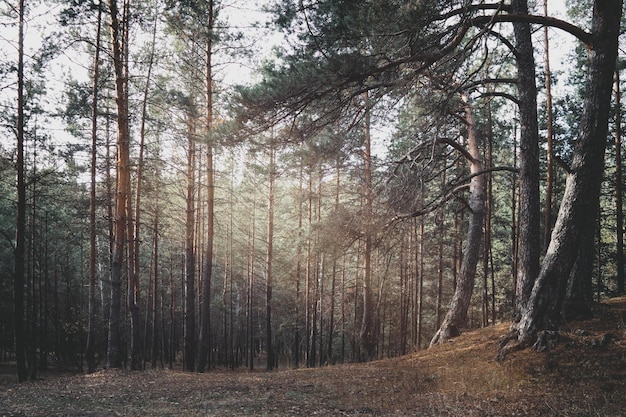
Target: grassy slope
column 578, row 377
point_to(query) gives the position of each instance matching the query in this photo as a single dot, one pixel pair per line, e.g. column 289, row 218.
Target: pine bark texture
column 529, row 202
column 114, row 354
column 548, row 206
column 456, row 317
column 369, row 332
column 575, row 221
column 207, row 271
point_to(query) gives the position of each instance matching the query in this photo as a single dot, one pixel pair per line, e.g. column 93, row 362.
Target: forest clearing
column 205, row 204
column 582, row 375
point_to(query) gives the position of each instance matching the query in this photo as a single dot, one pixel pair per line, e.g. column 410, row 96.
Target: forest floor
column 583, row 375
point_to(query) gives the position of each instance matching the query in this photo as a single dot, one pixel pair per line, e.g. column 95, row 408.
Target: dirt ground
column 583, row 375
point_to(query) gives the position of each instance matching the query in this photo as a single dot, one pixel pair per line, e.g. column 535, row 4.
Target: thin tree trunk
column 190, row 255
column 20, row 222
column 204, row 343
column 514, row 234
column 270, row 259
column 404, row 295
column 309, row 272
column 133, row 233
column 320, row 269
column 297, row 336
column 548, row 217
column 31, row 309
column 619, row 257
column 155, row 283
column 368, row 334
column 333, row 283
column 43, row 301
column 456, row 318
column 106, row 310
column 488, row 242
column 419, row 270
column 93, row 250
column 343, row 308
column 231, row 271
column 439, row 221
column 122, row 215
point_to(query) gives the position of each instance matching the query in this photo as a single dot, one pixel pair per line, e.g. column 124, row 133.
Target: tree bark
column 419, row 274
column 297, row 337
column 205, row 307
column 20, row 222
column 456, row 318
column 156, row 277
column 581, row 198
column 619, row 217
column 251, row 260
column 529, row 203
column 309, row 271
column 270, row 259
column 368, row 334
column 439, row 221
column 190, row 253
column 93, row 250
column 333, row 283
column 122, row 215
column 547, row 216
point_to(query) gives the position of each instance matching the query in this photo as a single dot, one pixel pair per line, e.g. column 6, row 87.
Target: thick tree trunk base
column 543, row 341
column 444, row 334
column 509, row 343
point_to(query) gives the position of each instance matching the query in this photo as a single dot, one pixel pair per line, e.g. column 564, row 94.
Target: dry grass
column 584, row 375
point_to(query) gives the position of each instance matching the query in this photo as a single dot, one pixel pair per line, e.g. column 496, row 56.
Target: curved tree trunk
column 456, row 318
column 579, row 206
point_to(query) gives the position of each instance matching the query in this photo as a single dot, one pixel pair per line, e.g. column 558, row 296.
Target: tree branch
column 577, row 32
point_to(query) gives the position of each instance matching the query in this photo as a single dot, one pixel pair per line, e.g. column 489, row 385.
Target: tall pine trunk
column 619, row 258
column 297, row 336
column 574, row 225
column 270, row 259
column 92, row 327
column 122, row 215
column 456, row 317
column 548, row 216
column 369, row 332
column 189, row 325
column 529, row 208
column 20, row 222
column 205, row 299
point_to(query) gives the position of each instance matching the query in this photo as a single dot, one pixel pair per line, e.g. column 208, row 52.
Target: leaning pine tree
column 582, row 192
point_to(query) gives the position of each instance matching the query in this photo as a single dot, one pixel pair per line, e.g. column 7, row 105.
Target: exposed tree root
column 509, row 343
